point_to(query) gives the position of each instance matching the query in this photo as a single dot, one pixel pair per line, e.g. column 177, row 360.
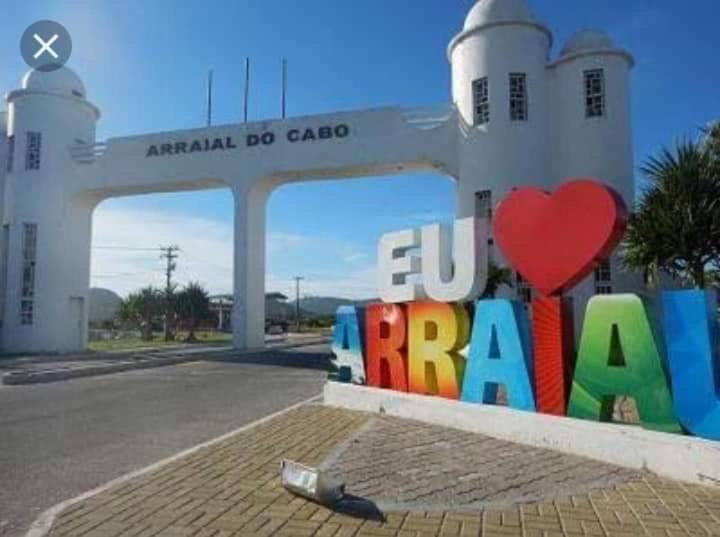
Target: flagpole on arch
column 209, row 97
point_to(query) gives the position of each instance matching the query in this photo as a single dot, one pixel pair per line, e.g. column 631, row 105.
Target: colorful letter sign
column 416, row 345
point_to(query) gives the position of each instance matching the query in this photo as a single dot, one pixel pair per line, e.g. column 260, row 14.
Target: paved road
column 59, row 440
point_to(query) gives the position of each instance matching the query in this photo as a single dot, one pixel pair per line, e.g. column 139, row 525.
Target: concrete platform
column 686, row 458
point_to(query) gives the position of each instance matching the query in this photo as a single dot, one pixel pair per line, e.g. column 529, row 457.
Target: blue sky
column 144, row 64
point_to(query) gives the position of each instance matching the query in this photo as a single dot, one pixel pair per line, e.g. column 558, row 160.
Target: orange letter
column 436, row 332
column 385, row 344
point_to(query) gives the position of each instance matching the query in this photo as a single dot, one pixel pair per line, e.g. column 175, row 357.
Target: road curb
column 21, row 377
column 43, row 523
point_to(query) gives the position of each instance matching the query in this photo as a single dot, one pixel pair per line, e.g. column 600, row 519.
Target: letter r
column 385, row 338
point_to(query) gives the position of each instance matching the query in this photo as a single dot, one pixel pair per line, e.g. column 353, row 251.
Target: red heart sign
column 556, row 240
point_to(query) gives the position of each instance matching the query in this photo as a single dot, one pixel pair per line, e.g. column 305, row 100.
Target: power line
column 128, row 248
column 123, row 274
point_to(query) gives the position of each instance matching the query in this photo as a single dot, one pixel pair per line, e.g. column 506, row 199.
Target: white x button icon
column 45, row 46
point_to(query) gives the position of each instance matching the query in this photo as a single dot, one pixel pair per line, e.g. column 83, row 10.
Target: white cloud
column 205, row 249
column 355, row 257
column 432, row 217
column 206, row 255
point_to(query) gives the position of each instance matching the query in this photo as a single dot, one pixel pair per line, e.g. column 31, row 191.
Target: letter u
column 458, row 274
column 691, row 339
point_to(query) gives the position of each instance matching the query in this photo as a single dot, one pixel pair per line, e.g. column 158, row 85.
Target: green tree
column 676, row 225
column 711, row 140
column 497, row 277
column 142, row 308
column 192, row 306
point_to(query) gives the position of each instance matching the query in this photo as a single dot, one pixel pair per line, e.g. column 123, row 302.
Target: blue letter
column 499, row 354
column 691, row 339
column 347, row 343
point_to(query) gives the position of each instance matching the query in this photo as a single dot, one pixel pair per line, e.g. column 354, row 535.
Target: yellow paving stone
column 233, row 490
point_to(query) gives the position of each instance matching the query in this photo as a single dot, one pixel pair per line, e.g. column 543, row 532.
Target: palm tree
column 711, row 139
column 192, row 304
column 142, row 309
column 497, row 277
column 676, row 226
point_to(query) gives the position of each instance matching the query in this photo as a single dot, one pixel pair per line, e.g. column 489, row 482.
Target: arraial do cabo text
column 224, row 143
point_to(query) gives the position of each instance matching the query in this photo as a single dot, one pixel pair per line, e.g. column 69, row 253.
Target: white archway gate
column 520, row 117
column 252, row 160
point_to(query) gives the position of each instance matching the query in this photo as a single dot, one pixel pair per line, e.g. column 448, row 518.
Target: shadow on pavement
column 301, row 360
column 358, row 507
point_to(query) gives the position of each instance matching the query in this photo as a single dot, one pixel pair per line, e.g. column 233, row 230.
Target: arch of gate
column 252, row 160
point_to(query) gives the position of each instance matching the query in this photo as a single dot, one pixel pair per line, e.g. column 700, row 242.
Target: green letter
column 618, row 356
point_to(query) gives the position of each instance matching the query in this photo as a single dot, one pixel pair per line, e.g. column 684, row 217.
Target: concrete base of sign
column 679, row 457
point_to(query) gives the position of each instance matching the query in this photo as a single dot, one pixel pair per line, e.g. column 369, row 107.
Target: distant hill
column 323, row 306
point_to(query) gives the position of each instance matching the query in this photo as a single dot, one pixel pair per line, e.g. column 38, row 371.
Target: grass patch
column 158, row 341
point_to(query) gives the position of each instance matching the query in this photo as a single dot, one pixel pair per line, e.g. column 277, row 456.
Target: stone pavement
column 444, row 483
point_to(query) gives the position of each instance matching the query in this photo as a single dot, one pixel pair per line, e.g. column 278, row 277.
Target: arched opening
column 133, row 248
column 326, row 232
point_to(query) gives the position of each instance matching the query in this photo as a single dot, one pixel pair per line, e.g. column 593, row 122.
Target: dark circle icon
column 46, row 45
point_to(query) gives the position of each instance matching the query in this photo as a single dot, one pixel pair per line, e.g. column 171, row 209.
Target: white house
column 516, row 116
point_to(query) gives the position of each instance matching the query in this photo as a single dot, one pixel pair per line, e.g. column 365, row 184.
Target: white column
column 61, row 282
column 248, row 320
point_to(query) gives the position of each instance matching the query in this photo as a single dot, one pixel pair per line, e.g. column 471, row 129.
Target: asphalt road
column 62, row 439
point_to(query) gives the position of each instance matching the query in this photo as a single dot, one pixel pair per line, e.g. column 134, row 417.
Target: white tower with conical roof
column 527, row 119
column 46, row 232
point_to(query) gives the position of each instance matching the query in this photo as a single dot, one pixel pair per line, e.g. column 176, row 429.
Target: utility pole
column 297, row 302
column 168, row 253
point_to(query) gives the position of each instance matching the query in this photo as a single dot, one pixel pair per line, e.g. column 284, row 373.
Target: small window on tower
column 10, row 153
column 595, row 93
column 603, row 279
column 483, row 204
column 29, row 249
column 32, row 151
column 603, row 272
column 481, row 101
column 518, row 97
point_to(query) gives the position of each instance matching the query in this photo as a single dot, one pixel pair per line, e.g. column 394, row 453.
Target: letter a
column 618, row 356
column 499, row 354
column 347, row 343
column 691, row 340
